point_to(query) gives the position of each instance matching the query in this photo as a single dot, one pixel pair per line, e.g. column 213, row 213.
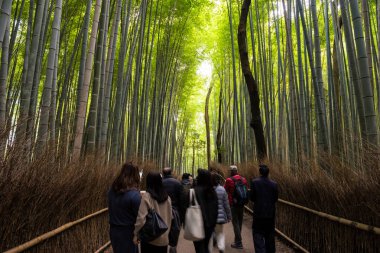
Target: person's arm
column 227, row 206
column 276, row 192
column 184, row 204
column 135, row 205
column 252, row 194
column 245, row 182
column 142, row 213
column 169, row 210
column 179, row 195
column 228, row 186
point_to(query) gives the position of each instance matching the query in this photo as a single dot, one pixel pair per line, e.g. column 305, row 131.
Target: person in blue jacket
column 123, row 204
column 264, row 195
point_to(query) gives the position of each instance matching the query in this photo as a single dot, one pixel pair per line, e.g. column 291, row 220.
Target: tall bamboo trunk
column 3, row 84
column 47, row 91
column 322, row 119
column 364, row 77
column 207, row 122
column 4, row 18
column 93, row 112
column 302, row 95
column 116, row 124
column 29, row 70
column 235, row 134
column 32, row 124
column 339, row 94
column 133, row 129
column 256, row 122
column 82, row 65
column 86, row 82
column 316, row 72
column 109, row 77
column 220, row 130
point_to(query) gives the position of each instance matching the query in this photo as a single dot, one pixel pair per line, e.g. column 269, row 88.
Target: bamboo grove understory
column 120, row 79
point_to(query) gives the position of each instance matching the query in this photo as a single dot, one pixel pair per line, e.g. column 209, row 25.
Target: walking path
column 185, row 246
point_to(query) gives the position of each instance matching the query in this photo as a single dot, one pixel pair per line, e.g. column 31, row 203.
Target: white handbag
column 194, row 229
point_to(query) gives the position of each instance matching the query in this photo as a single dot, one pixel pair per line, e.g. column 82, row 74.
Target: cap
column 233, row 167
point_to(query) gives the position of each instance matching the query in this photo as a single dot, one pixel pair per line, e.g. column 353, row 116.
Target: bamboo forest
column 88, row 85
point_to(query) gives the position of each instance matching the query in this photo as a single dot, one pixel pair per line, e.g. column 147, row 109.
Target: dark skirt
column 122, row 239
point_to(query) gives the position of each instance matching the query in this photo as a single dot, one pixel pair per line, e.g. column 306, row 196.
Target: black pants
column 237, row 221
column 149, row 248
column 264, row 242
column 202, row 245
column 263, row 235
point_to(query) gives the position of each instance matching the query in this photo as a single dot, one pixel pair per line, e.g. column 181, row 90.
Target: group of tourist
column 165, row 203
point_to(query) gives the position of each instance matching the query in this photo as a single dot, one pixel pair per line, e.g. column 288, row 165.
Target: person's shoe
column 221, row 251
column 237, row 245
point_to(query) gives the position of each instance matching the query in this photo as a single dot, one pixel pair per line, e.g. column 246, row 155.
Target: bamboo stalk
column 299, row 247
column 53, row 233
column 340, row 220
column 104, row 247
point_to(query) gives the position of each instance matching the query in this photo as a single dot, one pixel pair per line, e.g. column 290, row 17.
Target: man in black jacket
column 174, row 189
column 264, row 194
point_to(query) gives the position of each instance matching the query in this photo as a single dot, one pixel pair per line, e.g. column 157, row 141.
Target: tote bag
column 194, row 229
column 154, row 226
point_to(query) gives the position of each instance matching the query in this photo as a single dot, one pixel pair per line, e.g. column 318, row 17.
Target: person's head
column 155, row 188
column 167, row 171
column 264, row 170
column 185, row 176
column 204, row 181
column 215, row 179
column 233, row 170
column 204, row 178
column 128, row 178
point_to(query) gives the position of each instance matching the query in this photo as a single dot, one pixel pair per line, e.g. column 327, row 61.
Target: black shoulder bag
column 154, row 226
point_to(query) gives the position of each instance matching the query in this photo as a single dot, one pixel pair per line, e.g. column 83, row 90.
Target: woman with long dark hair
column 207, row 199
column 123, row 204
column 156, row 198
